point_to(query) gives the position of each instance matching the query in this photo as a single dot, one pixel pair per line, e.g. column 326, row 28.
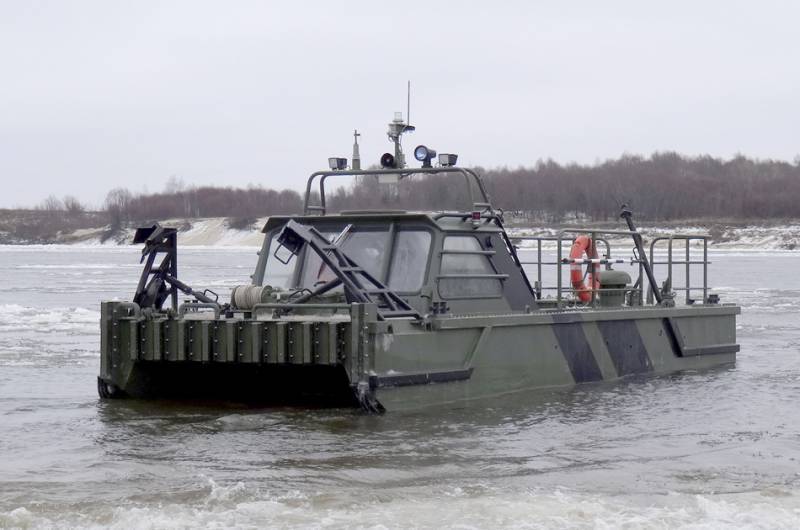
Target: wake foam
column 235, row 506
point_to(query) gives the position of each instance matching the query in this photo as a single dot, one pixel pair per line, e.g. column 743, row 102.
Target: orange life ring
column 583, row 245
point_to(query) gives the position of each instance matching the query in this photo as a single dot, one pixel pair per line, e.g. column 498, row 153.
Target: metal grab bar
column 186, row 306
column 271, row 305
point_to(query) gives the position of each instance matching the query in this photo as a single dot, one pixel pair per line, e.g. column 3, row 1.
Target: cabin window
column 464, row 270
column 276, row 273
column 409, row 260
column 313, row 272
column 367, row 248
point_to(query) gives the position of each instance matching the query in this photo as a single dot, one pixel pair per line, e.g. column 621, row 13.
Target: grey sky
column 100, row 94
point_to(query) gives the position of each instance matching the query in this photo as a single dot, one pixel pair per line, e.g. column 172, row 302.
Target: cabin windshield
column 398, row 258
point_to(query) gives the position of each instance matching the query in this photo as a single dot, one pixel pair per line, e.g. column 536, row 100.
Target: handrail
column 597, row 235
column 593, row 234
column 688, row 262
column 470, row 177
column 539, row 262
column 264, row 305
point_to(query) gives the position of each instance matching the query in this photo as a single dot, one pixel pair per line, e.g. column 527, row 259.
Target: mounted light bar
column 448, row 159
column 337, row 164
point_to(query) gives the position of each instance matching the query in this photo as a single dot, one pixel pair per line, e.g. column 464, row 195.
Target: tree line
column 241, row 204
column 662, row 187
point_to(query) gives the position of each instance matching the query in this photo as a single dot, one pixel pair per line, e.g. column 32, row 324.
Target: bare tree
column 73, row 206
column 117, row 205
column 52, row 204
column 174, row 184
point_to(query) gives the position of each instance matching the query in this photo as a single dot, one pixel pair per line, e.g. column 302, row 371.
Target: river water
column 712, row 449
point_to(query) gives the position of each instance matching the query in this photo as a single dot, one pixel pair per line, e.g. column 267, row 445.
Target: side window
column 409, row 260
column 276, row 273
column 461, row 259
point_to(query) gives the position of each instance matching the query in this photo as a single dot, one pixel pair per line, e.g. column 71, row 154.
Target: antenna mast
column 408, row 104
column 396, row 130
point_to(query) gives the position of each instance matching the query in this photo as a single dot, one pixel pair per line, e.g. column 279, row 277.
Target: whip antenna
column 408, row 104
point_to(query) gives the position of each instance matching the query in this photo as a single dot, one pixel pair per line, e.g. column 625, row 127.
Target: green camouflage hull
column 359, row 360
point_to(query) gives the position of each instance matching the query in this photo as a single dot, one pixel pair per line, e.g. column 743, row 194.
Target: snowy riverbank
column 210, row 232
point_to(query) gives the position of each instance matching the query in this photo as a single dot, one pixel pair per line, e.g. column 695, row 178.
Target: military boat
column 392, row 309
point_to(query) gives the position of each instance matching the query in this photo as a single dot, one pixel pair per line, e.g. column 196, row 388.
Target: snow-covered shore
column 217, row 232
column 784, row 237
column 213, row 231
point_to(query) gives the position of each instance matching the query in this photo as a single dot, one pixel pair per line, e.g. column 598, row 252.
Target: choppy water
column 699, row 450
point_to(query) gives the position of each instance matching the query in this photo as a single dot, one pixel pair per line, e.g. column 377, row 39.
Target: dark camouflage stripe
column 625, row 346
column 576, row 349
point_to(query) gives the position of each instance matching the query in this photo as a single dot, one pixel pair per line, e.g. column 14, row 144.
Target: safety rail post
column 705, row 270
column 640, row 281
column 539, row 268
column 558, row 274
column 652, row 265
column 593, row 268
column 669, row 263
column 688, row 272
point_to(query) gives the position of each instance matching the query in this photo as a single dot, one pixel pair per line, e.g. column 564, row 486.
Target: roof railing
column 470, row 178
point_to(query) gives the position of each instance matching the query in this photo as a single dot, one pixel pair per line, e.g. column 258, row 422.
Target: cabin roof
column 456, row 221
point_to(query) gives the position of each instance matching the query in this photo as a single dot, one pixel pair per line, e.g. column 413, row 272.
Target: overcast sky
column 100, row 94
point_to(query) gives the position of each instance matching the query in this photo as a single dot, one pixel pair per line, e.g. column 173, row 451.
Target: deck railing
column 687, row 288
column 634, row 293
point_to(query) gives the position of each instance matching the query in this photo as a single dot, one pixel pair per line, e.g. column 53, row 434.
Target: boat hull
column 402, row 363
column 492, row 355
